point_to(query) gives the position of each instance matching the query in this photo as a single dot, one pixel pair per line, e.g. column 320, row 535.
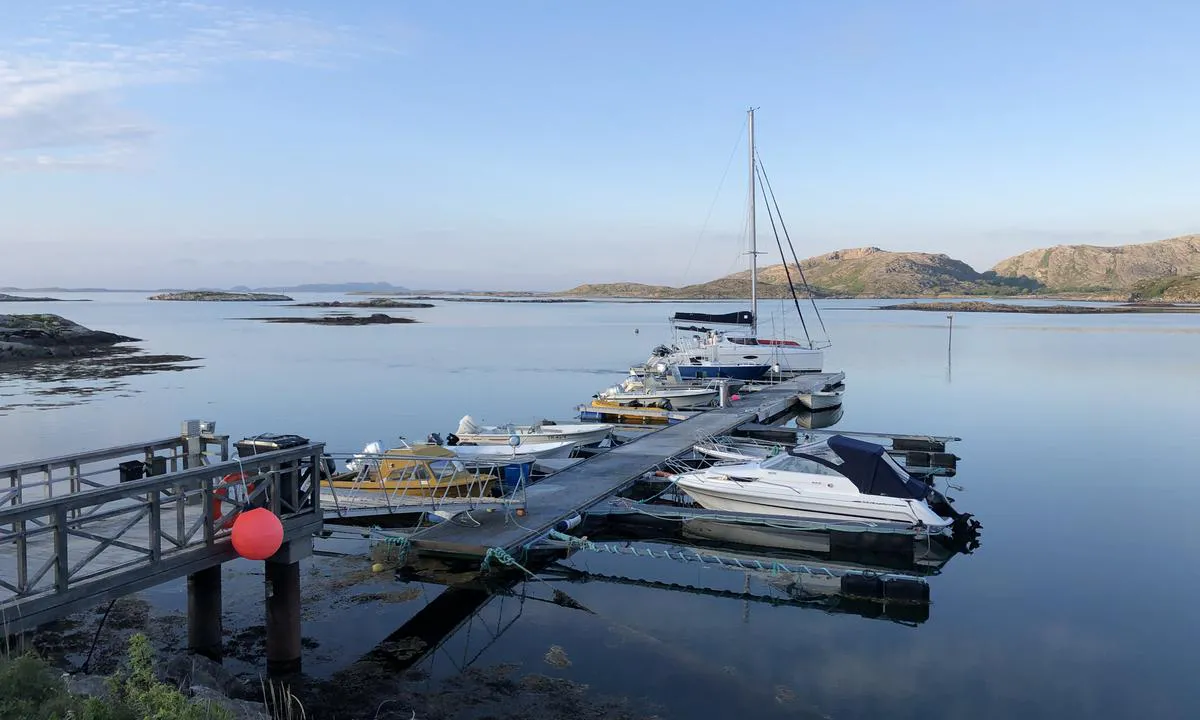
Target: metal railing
column 67, row 551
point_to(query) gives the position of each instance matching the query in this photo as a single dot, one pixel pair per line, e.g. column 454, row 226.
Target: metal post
column 204, row 612
column 753, row 236
column 193, row 444
column 724, row 393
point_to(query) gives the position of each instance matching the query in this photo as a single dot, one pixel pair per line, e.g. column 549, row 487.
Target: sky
column 538, row 145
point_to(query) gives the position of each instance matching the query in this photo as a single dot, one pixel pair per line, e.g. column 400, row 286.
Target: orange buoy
column 257, row 534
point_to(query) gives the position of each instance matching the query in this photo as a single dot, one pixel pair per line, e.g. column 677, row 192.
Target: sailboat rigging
column 729, row 353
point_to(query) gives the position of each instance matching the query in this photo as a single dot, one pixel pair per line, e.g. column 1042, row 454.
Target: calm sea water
column 1079, row 436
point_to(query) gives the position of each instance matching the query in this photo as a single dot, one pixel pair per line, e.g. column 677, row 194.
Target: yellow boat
column 416, row 470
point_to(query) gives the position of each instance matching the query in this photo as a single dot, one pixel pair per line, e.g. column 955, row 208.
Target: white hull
column 578, row 434
column 789, row 358
column 679, row 399
column 821, row 400
column 730, row 496
column 838, row 478
column 498, row 453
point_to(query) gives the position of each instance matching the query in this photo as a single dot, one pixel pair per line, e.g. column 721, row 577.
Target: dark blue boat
column 706, row 370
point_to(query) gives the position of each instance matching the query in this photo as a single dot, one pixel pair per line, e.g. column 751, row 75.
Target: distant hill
column 856, row 272
column 1090, row 268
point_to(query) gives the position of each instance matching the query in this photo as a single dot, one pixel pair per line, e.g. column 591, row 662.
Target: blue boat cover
column 866, row 465
column 742, row 317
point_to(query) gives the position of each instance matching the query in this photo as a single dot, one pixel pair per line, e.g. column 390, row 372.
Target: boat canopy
column 743, row 317
column 872, row 470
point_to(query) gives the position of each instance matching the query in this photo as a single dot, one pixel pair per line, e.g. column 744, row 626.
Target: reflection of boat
column 866, row 484
column 412, row 470
column 580, row 434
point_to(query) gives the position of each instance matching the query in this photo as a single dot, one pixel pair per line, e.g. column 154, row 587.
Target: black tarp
column 865, row 465
column 743, row 317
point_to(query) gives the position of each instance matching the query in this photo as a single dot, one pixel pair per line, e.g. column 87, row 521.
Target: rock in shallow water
column 31, row 337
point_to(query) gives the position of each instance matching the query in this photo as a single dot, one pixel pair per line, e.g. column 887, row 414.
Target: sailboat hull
column 734, row 372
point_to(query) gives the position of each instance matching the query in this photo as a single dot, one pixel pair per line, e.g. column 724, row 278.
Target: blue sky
column 542, row 144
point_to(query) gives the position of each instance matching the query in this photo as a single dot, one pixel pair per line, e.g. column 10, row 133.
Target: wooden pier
column 103, row 529
column 573, row 490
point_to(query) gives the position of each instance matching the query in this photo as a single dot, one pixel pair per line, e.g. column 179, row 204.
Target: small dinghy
column 578, row 434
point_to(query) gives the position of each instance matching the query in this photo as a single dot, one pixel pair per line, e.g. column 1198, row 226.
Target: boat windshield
column 895, row 466
column 443, row 468
column 784, row 462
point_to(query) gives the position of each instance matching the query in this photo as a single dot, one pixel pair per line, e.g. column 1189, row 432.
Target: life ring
column 221, row 493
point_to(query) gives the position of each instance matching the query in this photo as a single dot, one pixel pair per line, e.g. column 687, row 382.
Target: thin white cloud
column 62, row 78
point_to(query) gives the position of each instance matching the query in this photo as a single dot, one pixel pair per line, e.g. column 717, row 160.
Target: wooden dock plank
column 580, row 486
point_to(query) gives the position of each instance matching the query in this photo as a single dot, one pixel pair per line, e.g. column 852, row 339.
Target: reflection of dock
column 580, row 486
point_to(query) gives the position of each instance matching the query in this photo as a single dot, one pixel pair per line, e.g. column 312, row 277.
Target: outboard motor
column 434, row 439
column 451, row 439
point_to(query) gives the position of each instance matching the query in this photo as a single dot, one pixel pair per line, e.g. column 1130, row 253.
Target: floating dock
column 573, row 490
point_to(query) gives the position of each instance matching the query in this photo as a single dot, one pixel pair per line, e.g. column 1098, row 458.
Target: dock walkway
column 580, row 486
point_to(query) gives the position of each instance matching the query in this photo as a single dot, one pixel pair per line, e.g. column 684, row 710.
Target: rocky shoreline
column 979, row 306
column 41, row 336
column 4, row 297
column 219, row 296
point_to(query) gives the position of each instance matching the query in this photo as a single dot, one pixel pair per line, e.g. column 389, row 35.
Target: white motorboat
column 861, row 482
column 825, row 398
column 638, row 392
column 579, row 434
column 495, row 452
column 745, row 450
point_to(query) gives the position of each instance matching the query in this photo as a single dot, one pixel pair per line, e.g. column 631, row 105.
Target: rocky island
column 21, row 298
column 34, row 337
column 220, row 296
column 377, row 302
column 373, row 319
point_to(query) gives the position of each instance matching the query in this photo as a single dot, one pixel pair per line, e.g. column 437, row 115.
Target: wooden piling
column 204, row 612
column 283, row 607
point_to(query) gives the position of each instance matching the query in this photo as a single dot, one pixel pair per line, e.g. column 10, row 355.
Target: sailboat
column 739, row 349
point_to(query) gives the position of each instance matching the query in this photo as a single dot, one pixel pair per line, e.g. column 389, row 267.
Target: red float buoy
column 735, row 397
column 257, row 534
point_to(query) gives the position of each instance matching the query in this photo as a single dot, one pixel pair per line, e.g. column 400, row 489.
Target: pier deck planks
column 578, row 487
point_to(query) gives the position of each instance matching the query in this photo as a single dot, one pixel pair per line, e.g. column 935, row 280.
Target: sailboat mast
column 753, row 237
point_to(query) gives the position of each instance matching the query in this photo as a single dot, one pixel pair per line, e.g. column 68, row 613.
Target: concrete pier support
column 204, row 612
column 283, row 607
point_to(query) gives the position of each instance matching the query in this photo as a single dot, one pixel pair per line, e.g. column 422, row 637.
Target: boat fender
column 568, row 523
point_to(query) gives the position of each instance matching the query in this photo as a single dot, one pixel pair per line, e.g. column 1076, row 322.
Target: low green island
column 4, row 297
column 220, row 296
column 378, row 302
